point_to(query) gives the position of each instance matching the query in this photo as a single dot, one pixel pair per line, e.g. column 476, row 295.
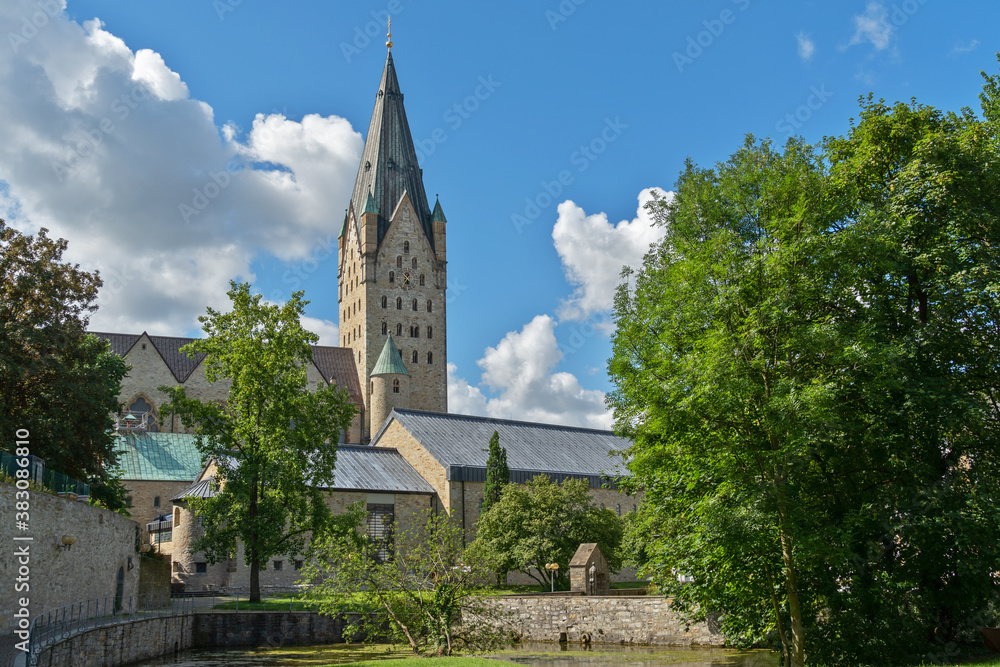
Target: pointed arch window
column 430, row 307
column 415, row 357
column 399, row 303
column 430, row 357
column 399, row 329
column 399, row 261
column 414, row 305
column 385, row 301
column 395, row 386
column 414, row 263
column 385, row 328
column 392, row 276
column 421, row 280
column 406, row 247
column 430, row 332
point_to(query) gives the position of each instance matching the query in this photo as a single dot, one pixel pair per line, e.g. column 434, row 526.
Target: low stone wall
column 606, row 619
column 116, row 645
column 122, row 644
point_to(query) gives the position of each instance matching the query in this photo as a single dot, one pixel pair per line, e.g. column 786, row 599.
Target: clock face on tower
column 407, row 282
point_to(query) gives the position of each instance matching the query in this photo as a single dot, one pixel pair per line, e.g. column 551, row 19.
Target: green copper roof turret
column 343, row 227
column 370, row 205
column 438, row 215
column 389, row 362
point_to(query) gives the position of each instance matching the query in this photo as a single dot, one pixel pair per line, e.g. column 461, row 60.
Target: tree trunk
column 253, row 547
column 798, row 650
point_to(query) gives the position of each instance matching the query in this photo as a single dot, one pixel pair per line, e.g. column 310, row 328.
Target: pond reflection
column 529, row 653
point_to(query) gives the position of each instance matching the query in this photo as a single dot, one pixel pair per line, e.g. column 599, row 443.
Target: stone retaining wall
column 122, row 644
column 606, row 619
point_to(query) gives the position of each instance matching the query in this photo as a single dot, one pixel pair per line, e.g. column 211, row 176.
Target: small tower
column 438, row 222
column 390, row 384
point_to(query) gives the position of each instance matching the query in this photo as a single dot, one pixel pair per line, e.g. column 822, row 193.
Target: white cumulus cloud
column 594, row 251
column 873, row 27
column 807, row 47
column 105, row 147
column 520, row 370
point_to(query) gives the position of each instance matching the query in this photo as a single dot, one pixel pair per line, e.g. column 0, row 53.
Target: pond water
column 529, row 653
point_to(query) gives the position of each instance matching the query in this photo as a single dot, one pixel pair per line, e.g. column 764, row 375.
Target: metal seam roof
column 460, row 443
column 162, row 457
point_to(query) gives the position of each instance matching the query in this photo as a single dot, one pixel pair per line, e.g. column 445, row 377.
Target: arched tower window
column 399, row 329
column 414, row 305
column 385, row 301
column 429, row 307
column 430, row 332
column 392, row 276
column 385, row 328
column 399, row 303
column 406, row 247
column 421, row 280
column 415, row 358
column 399, row 261
column 395, row 386
column 430, row 357
column 414, row 263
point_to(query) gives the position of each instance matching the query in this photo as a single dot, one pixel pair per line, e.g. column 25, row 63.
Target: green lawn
column 454, row 661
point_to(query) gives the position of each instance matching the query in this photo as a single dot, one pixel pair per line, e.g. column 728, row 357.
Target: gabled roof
column 335, row 364
column 168, row 347
column 389, row 361
column 460, row 443
column 158, row 457
column 377, row 469
column 389, row 162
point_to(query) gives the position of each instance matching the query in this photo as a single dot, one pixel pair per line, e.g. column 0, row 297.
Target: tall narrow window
column 399, row 303
column 395, row 386
column 421, row 280
column 430, row 357
column 385, row 328
column 430, row 332
column 429, row 307
column 414, row 305
column 414, row 263
column 406, row 247
column 415, row 356
column 399, row 262
column 380, row 523
column 385, row 301
column 392, row 276
column 399, row 329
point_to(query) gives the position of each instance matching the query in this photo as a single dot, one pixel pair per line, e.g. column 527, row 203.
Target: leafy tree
column 274, row 440
column 544, row 522
column 497, row 472
column 56, row 381
column 431, row 593
column 806, row 369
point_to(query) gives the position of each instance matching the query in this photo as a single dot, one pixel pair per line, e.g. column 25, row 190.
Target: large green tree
column 806, row 366
column 56, row 381
column 544, row 522
column 274, row 440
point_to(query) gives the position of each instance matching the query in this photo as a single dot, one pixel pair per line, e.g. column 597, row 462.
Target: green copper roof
column 438, row 215
column 389, row 362
column 343, row 226
column 158, row 457
column 370, row 205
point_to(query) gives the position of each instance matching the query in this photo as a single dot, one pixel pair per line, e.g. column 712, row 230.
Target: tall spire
column 389, row 165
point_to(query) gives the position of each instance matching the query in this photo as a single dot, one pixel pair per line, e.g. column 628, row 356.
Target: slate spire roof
column 389, row 162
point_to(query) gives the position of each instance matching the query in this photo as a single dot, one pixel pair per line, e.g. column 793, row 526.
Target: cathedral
column 404, row 453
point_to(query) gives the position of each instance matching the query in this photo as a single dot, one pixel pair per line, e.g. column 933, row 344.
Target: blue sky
column 540, row 124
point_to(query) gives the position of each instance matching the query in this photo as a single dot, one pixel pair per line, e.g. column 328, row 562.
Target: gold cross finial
column 388, row 35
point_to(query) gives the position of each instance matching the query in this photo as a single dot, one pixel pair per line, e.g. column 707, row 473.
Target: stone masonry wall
column 606, row 619
column 122, row 644
column 144, row 493
column 105, row 541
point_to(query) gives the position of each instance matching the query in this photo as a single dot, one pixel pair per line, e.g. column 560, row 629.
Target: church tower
column 392, row 276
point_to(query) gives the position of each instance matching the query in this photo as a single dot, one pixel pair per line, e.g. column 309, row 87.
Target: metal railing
column 64, row 622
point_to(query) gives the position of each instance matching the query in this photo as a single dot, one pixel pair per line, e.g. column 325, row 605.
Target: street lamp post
column 552, row 568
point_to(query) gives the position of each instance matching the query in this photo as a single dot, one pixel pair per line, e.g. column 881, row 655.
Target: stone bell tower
column 392, row 268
